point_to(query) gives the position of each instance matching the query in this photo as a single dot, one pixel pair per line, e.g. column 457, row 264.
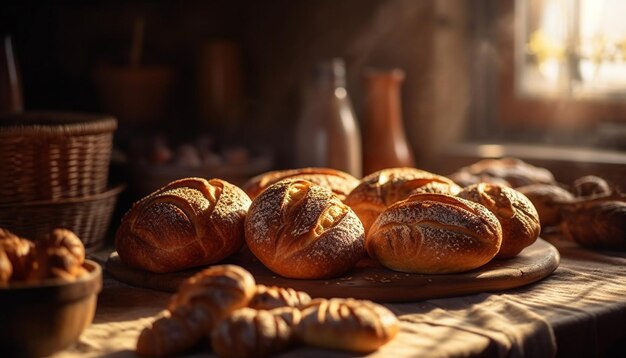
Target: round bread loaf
column 547, row 200
column 301, row 230
column 382, row 188
column 189, row 222
column 347, row 324
column 434, row 233
column 515, row 212
column 338, row 182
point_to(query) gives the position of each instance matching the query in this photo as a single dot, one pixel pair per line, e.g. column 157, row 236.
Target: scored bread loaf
column 338, row 182
column 299, row 229
column 382, row 188
column 267, row 298
column 252, row 333
column 201, row 302
column 347, row 324
column 434, row 233
column 189, row 222
column 515, row 212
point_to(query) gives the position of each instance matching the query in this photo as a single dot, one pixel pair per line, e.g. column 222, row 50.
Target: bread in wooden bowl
column 189, row 222
column 337, row 181
column 434, row 234
column 515, row 212
column 383, row 188
column 299, row 229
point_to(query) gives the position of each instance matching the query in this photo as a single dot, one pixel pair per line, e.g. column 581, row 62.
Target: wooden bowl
column 38, row 319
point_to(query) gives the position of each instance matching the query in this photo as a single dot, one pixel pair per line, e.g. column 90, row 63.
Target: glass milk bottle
column 328, row 134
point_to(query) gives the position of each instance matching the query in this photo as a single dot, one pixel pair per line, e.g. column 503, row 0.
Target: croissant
column 189, row 222
column 347, row 324
column 267, row 298
column 515, row 212
column 20, row 252
column 251, row 333
column 338, row 182
column 302, row 230
column 200, row 303
column 59, row 254
column 382, row 188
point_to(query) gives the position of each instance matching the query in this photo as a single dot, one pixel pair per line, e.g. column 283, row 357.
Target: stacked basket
column 53, row 173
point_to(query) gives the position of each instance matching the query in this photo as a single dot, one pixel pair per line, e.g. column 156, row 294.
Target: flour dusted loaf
column 189, row 222
column 434, row 234
column 347, row 324
column 515, row 212
column 380, row 189
column 299, row 229
column 338, row 182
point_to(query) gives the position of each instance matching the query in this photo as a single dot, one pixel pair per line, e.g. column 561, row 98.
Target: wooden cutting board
column 375, row 282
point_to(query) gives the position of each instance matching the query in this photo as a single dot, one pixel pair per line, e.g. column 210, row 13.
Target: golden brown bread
column 267, row 298
column 515, row 171
column 200, row 303
column 434, row 233
column 301, row 230
column 547, row 199
column 464, row 179
column 591, row 186
column 338, row 182
column 6, row 269
column 380, row 189
column 347, row 324
column 515, row 212
column 21, row 254
column 59, row 254
column 189, row 222
column 251, row 333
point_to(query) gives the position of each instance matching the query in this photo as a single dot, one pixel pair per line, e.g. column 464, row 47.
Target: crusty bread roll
column 21, row 254
column 301, row 230
column 338, row 182
column 464, row 179
column 347, row 324
column 251, row 333
column 515, row 212
column 547, row 200
column 189, row 222
column 591, row 186
column 201, row 302
column 382, row 188
column 59, row 254
column 6, row 269
column 597, row 223
column 515, row 171
column 267, row 298
column 434, row 233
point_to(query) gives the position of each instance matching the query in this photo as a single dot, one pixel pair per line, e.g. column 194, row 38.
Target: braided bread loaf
column 189, row 222
column 302, row 230
column 380, row 189
column 200, row 303
column 347, row 324
column 267, row 298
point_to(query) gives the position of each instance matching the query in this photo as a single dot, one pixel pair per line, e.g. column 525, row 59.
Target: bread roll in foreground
column 189, row 222
column 270, row 297
column 385, row 187
column 301, row 230
column 517, row 215
column 338, row 182
column 347, row 324
column 433, row 234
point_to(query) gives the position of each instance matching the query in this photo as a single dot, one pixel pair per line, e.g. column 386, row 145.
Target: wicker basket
column 87, row 217
column 54, row 155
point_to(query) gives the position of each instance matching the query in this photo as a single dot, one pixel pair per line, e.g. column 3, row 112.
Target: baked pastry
column 299, row 229
column 464, row 179
column 547, row 200
column 382, row 188
column 434, row 233
column 598, row 223
column 189, row 222
column 347, row 324
column 591, row 186
column 20, row 252
column 267, row 298
column 515, row 171
column 338, row 182
column 515, row 212
column 200, row 303
column 59, row 254
column 6, row 269
column 251, row 333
